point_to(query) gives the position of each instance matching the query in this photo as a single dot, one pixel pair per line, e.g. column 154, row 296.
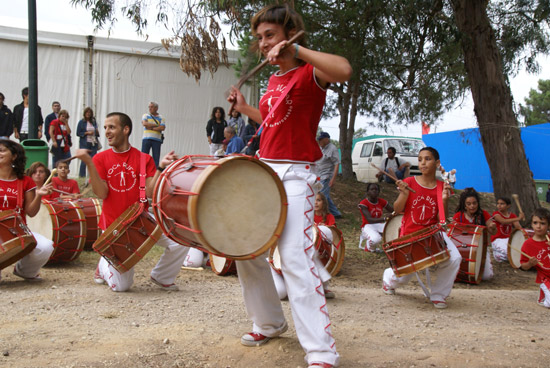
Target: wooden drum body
column 91, row 207
column 233, row 207
column 471, row 241
column 16, row 240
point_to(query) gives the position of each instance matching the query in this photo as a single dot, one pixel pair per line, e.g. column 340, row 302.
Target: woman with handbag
column 88, row 132
column 60, row 132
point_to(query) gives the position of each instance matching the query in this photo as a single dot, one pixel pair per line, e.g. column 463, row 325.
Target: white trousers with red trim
column 301, row 277
column 544, row 294
column 30, row 265
column 165, row 272
column 195, row 258
column 372, row 234
column 500, row 249
column 445, row 274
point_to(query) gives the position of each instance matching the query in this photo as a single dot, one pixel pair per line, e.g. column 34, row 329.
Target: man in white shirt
column 394, row 166
column 21, row 115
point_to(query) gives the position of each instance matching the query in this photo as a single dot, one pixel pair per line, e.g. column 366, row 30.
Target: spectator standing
column 21, row 115
column 327, row 167
column 6, row 119
column 153, row 125
column 251, row 132
column 56, row 107
column 60, row 133
column 236, row 121
column 215, row 129
column 89, row 134
column 235, row 144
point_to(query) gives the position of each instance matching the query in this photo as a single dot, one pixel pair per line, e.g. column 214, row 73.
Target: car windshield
column 405, row 147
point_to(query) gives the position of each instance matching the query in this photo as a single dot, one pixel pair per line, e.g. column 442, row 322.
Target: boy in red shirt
column 536, row 253
column 62, row 183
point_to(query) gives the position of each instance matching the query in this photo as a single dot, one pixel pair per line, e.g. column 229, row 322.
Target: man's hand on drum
column 168, row 159
column 44, row 190
column 83, row 155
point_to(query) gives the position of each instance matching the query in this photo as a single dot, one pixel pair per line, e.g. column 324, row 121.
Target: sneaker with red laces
column 167, row 287
column 439, row 304
column 257, row 339
column 97, row 277
column 320, row 365
column 387, row 289
column 35, row 278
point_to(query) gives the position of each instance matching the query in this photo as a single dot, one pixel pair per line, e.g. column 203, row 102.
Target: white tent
column 116, row 75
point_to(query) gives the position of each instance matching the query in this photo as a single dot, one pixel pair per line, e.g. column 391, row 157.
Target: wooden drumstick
column 68, row 159
column 62, row 192
column 392, row 177
column 85, row 191
column 54, row 171
column 258, row 68
column 516, row 199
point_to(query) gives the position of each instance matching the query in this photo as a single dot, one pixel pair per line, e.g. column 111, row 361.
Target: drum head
column 239, row 210
column 391, row 230
column 515, row 242
column 42, row 223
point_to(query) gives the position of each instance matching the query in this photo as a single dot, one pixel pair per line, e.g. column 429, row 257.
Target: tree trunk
column 347, row 106
column 498, row 126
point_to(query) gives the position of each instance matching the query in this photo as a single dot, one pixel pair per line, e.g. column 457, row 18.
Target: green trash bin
column 36, row 150
column 542, row 188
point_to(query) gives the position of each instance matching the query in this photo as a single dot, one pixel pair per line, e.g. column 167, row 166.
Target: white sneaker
column 171, row 287
column 35, row 278
column 387, row 289
column 253, row 339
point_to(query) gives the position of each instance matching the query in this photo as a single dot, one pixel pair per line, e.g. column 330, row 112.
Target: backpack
column 386, row 162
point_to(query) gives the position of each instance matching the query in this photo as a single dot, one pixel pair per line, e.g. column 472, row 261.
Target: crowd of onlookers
column 232, row 136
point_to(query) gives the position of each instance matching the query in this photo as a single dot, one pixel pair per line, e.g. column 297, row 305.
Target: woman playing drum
column 13, row 183
column 291, row 109
column 421, row 210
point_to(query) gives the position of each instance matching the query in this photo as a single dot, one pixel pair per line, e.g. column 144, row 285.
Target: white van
column 372, row 150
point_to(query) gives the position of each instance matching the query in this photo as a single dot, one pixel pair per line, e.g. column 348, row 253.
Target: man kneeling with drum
column 115, row 178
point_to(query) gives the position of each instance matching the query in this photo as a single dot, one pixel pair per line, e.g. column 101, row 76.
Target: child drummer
column 421, row 210
column 536, row 253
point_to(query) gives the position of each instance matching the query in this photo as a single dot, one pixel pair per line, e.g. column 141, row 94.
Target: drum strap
column 441, row 207
column 19, row 205
column 142, row 179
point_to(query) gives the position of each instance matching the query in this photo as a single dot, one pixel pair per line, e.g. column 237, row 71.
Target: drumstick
column 54, row 171
column 85, row 191
column 516, row 199
column 68, row 159
column 258, row 68
column 392, row 177
column 526, row 255
column 62, row 192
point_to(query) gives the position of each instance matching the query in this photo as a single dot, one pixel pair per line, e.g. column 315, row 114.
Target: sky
column 60, row 16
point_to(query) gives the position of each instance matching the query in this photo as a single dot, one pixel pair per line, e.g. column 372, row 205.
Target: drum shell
column 180, row 197
column 91, row 207
column 392, row 228
column 222, row 266
column 471, row 241
column 16, row 239
column 408, row 253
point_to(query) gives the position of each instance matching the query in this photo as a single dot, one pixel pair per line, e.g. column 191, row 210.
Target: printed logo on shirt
column 376, row 212
column 121, row 177
column 270, row 99
column 506, row 229
column 423, row 210
column 6, row 196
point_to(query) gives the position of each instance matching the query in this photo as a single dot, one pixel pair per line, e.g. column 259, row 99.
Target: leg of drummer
column 29, row 266
column 390, row 281
column 488, row 270
column 372, row 234
column 194, row 258
column 279, row 284
column 117, row 281
column 445, row 273
column 169, row 264
column 544, row 289
column 500, row 249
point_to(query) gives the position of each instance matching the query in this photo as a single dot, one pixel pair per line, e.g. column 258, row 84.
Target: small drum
column 471, row 241
column 64, row 223
column 209, row 203
column 222, row 266
column 92, row 211
column 127, row 240
column 416, row 251
column 330, row 254
column 16, row 240
column 515, row 242
column 392, row 228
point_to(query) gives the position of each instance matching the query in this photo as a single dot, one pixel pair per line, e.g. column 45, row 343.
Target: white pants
column 30, row 265
column 488, row 270
column 372, row 234
column 214, row 147
column 544, row 296
column 500, row 249
column 195, row 258
column 445, row 274
column 165, row 271
column 301, row 276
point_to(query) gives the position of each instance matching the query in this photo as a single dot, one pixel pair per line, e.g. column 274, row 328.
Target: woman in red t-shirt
column 421, row 210
column 372, row 210
column 504, row 220
column 60, row 133
column 18, row 192
column 469, row 212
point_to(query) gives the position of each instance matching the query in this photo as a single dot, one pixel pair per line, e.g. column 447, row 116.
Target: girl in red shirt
column 372, row 209
column 321, row 214
column 17, row 188
column 421, row 210
column 536, row 253
column 469, row 212
column 504, row 220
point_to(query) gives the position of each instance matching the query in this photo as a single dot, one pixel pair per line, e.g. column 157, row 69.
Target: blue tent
column 462, row 150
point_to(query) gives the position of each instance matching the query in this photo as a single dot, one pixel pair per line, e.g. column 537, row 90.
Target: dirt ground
column 68, row 321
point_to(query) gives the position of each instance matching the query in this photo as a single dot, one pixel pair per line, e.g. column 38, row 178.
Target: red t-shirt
column 503, row 230
column 376, row 209
column 460, row 218
column 69, row 186
column 61, row 133
column 541, row 250
column 289, row 132
column 121, row 172
column 8, row 194
column 329, row 221
column 421, row 209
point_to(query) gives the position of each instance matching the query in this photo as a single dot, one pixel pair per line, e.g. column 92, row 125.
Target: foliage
column 360, row 133
column 537, row 105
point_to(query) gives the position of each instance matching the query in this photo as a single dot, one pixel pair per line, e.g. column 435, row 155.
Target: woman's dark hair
column 215, row 110
column 370, row 184
column 20, row 159
column 468, row 193
column 505, row 200
column 86, row 110
column 283, row 15
column 432, row 150
column 238, row 114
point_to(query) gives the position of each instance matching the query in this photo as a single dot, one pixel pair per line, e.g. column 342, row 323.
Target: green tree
column 537, row 105
column 360, row 133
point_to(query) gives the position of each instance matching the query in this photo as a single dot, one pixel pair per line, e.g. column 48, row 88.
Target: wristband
column 161, row 169
column 297, row 47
